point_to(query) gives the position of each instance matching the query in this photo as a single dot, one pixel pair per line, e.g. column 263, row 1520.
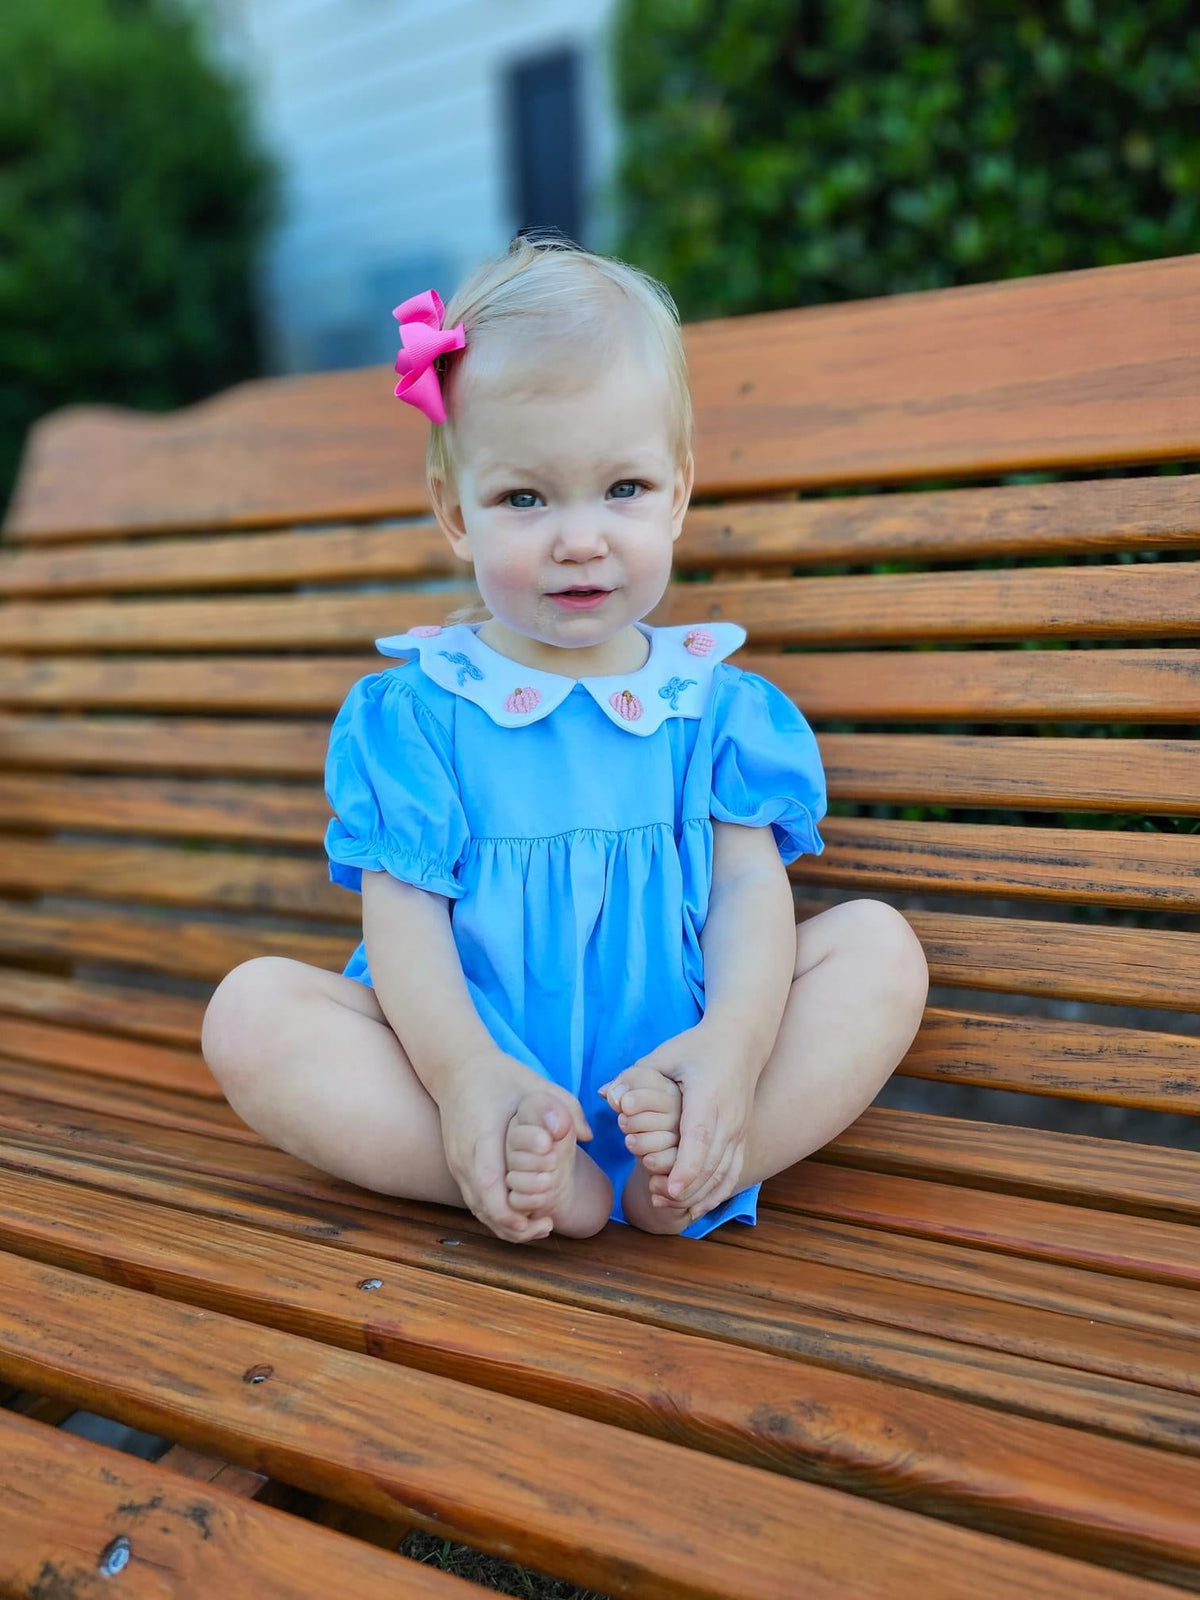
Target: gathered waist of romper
column 581, row 832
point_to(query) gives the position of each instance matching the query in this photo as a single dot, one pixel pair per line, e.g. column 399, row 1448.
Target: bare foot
column 548, row 1176
column 649, row 1106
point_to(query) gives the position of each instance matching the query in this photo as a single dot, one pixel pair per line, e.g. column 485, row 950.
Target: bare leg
column 308, row 1058
column 856, row 1002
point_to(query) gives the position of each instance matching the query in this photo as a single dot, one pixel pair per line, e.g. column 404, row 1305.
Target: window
column 543, row 124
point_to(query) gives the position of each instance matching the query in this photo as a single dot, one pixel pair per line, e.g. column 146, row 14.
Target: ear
column 447, row 508
column 684, row 478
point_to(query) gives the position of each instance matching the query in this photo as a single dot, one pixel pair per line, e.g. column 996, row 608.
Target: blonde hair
column 556, row 291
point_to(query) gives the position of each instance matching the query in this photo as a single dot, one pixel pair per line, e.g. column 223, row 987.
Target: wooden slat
column 967, row 770
column 1074, row 368
column 211, row 1469
column 933, row 1264
column 1125, row 1066
column 329, row 1420
column 1084, row 866
column 1143, row 685
column 250, row 747
column 731, row 1402
column 1078, row 1169
column 1139, row 1247
column 107, row 1055
column 1161, row 600
column 961, row 524
column 216, row 809
column 1112, row 965
column 139, row 1101
column 989, row 686
column 770, row 1306
column 1156, row 871
column 65, row 1501
column 1006, row 955
column 1157, row 775
column 1119, row 1066
column 231, row 683
column 1100, row 517
column 160, row 875
column 1146, row 1246
column 1147, row 1181
column 37, row 1407
column 171, row 1019
column 195, row 949
column 386, row 1532
column 1113, row 1242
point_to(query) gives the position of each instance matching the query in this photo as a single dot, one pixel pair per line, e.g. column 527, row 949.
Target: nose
column 579, row 536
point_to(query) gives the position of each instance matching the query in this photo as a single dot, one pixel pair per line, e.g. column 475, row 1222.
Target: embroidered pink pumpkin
column 699, row 642
column 523, row 700
column 425, row 632
column 626, row 704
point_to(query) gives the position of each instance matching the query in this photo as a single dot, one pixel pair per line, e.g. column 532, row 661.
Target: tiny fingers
column 725, row 1169
column 701, row 1191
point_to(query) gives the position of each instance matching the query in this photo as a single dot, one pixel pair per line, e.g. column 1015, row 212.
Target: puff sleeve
column 389, row 778
column 766, row 764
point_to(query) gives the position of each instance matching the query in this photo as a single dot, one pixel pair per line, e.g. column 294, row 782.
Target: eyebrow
column 636, row 464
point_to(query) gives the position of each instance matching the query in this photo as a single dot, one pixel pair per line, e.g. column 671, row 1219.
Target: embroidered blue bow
column 466, row 667
column 671, row 691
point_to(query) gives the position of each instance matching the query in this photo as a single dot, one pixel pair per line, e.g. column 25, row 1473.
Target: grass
column 490, row 1572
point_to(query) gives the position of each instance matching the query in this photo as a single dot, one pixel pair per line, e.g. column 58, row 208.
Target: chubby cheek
column 509, row 576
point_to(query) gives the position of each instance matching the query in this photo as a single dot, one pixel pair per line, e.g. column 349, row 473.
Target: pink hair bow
column 423, row 339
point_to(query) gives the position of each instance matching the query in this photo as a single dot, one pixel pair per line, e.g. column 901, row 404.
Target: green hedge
column 132, row 202
column 776, row 153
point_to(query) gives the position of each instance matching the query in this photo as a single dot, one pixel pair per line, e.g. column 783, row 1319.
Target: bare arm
column 748, row 941
column 419, row 980
column 419, row 983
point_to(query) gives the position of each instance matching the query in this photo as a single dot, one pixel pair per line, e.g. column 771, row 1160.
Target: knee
column 242, row 1011
column 886, row 946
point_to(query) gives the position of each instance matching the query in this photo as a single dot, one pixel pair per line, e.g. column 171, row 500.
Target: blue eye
column 626, row 483
column 520, row 494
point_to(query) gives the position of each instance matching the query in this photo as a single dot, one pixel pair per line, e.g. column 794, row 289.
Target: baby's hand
column 476, row 1104
column 717, row 1081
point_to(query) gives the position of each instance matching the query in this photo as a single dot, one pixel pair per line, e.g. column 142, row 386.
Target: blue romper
column 569, row 823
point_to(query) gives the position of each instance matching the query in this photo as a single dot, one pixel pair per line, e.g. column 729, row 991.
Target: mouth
column 579, row 598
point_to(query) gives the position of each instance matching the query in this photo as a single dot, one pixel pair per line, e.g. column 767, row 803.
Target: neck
column 628, row 651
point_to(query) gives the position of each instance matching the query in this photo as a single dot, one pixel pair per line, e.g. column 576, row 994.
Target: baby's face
column 563, row 485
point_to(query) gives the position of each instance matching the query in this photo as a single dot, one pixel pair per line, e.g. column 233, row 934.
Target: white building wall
column 387, row 119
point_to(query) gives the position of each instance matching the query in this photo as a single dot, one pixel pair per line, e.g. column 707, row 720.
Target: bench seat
column 960, row 1352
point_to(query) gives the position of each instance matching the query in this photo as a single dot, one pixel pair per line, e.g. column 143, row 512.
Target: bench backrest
column 189, row 597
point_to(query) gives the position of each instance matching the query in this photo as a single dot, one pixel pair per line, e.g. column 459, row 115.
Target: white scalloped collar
column 673, row 682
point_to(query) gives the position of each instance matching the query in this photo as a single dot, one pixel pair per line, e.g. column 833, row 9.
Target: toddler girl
column 581, row 994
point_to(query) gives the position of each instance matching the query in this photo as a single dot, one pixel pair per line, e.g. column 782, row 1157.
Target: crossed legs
column 277, row 1031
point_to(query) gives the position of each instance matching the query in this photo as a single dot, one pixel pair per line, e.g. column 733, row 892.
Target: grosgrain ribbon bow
column 424, row 339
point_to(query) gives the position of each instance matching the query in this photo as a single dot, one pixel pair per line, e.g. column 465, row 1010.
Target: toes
column 529, row 1160
column 543, row 1111
column 659, row 1162
column 528, row 1182
column 530, row 1132
column 527, row 1139
column 527, row 1202
column 649, row 1122
column 645, row 1144
column 663, row 1099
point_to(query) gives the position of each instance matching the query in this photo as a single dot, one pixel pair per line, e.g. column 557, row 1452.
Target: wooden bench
column 957, row 1355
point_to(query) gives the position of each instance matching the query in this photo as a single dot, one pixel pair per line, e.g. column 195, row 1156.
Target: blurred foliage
column 133, row 200
column 780, row 152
